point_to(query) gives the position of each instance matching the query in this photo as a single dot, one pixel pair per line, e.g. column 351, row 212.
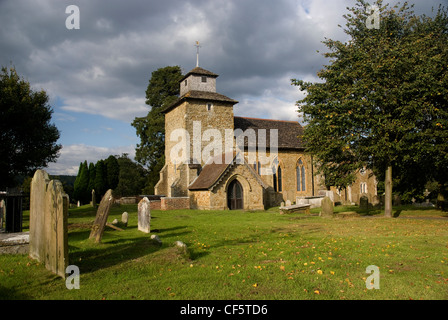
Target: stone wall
column 174, row 203
column 200, row 199
column 288, row 160
column 155, row 204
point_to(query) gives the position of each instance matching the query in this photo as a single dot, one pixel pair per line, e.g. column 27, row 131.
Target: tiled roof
column 215, row 169
column 289, row 132
column 211, row 172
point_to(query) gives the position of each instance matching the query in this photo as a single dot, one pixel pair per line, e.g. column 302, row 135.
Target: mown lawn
column 246, row 255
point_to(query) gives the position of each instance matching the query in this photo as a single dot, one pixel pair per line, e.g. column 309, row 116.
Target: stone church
column 218, row 171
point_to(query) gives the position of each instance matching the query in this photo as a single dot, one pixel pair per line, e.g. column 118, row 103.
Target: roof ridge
column 267, row 119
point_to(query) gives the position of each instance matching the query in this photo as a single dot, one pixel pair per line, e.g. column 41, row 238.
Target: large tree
column 383, row 97
column 27, row 136
column 132, row 177
column 162, row 90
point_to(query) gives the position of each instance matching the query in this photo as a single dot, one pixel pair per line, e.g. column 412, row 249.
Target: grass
column 246, row 255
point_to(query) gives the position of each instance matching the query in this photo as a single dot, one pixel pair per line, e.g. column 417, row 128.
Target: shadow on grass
column 12, row 294
column 112, row 253
column 397, row 213
column 116, row 248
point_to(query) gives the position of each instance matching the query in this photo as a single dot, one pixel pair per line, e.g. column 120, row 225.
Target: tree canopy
column 162, row 90
column 382, row 102
column 27, row 136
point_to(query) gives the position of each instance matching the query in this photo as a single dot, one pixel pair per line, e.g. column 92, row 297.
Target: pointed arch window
column 277, row 176
column 301, row 176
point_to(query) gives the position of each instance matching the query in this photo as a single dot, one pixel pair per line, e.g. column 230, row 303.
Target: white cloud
column 72, row 155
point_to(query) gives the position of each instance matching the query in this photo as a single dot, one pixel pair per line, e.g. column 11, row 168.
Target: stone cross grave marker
column 101, row 217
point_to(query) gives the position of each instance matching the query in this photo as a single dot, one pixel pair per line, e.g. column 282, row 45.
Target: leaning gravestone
column 327, row 207
column 48, row 223
column 144, row 215
column 101, row 217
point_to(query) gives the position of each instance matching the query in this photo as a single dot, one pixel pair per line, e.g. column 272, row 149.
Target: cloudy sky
column 96, row 76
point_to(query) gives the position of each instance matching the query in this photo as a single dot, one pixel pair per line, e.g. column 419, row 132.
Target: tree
column 383, row 96
column 112, row 170
column 92, row 174
column 76, row 194
column 100, row 179
column 81, row 188
column 132, row 178
column 162, row 90
column 27, row 137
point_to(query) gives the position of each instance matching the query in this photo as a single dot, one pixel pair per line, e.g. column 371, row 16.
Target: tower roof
column 200, row 72
column 200, row 95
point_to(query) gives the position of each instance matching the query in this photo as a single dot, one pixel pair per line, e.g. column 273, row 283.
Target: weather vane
column 197, row 53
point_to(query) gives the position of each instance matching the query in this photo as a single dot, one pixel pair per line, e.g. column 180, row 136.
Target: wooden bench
column 301, row 208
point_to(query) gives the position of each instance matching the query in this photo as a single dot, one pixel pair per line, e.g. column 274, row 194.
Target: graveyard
column 242, row 255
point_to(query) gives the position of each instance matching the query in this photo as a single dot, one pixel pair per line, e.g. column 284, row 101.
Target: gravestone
column 288, row 203
column 93, row 198
column 48, row 223
column 56, row 228
column 125, row 218
column 396, row 200
column 144, row 215
column 282, row 204
column 101, row 217
column 327, row 207
column 364, row 202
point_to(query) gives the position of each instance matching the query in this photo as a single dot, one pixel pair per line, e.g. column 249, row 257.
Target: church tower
column 202, row 115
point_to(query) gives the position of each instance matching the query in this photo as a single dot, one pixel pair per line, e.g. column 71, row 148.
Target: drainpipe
column 312, row 176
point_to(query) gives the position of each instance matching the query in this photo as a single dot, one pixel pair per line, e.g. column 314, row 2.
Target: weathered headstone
column 364, row 202
column 56, row 229
column 396, row 200
column 48, row 223
column 93, row 198
column 282, row 204
column 327, row 207
column 125, row 218
column 101, row 217
column 144, row 215
column 288, row 203
column 37, row 214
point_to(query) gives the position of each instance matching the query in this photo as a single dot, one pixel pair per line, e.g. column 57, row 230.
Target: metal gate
column 13, row 214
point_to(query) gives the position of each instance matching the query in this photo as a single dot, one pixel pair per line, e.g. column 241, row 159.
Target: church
column 215, row 160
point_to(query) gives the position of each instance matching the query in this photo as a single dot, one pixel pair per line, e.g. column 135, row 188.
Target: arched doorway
column 235, row 195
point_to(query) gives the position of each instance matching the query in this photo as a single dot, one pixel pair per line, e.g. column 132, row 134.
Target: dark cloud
column 103, row 68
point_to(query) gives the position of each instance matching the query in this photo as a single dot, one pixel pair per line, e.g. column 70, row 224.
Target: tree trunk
column 388, row 193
